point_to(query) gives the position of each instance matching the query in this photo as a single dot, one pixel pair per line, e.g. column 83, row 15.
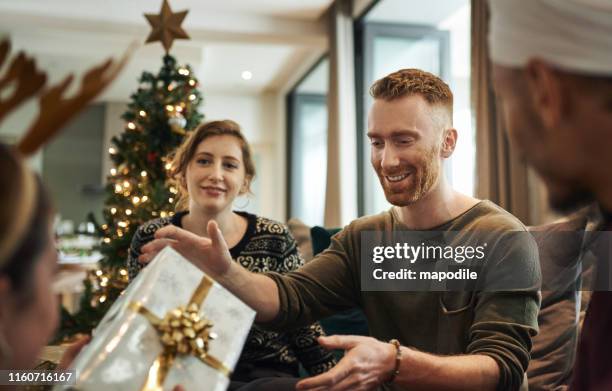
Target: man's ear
column 545, row 89
column 449, row 142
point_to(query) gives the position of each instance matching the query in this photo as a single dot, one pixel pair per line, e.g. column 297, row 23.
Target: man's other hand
column 367, row 363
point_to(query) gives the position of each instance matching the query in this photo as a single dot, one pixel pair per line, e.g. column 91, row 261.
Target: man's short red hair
column 406, row 82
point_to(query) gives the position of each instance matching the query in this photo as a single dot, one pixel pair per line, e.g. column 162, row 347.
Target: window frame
column 292, row 101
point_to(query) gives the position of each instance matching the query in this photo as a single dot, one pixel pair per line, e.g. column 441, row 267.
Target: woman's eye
column 231, row 165
column 203, row 161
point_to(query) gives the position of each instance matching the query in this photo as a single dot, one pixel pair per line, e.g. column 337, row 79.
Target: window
column 307, row 124
column 434, row 37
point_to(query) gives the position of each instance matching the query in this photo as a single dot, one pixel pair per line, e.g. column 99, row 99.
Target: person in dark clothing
column 211, row 169
column 552, row 72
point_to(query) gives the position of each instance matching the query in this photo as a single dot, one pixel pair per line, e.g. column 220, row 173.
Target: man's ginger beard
column 424, row 174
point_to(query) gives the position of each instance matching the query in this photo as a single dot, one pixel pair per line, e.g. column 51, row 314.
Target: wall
column 69, row 176
column 71, row 166
column 14, row 126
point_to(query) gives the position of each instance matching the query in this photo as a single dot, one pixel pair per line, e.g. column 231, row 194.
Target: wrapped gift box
column 135, row 348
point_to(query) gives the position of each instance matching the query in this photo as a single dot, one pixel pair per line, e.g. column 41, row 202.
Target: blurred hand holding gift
column 172, row 325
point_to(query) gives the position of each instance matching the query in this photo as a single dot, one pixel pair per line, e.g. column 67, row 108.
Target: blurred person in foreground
column 552, row 73
column 28, row 262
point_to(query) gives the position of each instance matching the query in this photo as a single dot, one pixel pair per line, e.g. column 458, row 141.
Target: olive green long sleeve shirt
column 496, row 324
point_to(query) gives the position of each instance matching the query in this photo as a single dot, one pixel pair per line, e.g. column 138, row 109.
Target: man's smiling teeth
column 396, row 178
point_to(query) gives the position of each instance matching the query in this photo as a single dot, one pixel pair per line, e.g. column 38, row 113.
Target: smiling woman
column 224, row 157
column 211, row 169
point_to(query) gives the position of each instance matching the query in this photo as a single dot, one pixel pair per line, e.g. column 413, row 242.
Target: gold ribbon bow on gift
column 182, row 331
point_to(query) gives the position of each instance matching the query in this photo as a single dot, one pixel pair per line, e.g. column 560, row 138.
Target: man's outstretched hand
column 210, row 255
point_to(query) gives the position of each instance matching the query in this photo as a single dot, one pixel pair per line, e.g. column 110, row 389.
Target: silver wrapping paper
column 125, row 344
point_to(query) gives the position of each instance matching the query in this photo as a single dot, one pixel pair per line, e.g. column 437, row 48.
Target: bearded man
column 463, row 340
column 553, row 76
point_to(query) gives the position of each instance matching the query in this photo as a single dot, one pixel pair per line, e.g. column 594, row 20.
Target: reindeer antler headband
column 55, row 112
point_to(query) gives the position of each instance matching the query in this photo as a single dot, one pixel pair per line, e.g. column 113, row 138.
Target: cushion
column 321, row 238
column 349, row 322
column 312, row 241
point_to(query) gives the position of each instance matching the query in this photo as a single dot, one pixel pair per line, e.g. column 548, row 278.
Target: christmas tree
column 161, row 112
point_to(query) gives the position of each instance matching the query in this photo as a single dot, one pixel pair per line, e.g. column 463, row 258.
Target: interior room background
column 295, row 76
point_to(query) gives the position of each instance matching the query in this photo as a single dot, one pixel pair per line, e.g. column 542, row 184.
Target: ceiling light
column 247, row 75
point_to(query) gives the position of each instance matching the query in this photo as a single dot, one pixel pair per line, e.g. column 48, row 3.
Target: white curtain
column 500, row 175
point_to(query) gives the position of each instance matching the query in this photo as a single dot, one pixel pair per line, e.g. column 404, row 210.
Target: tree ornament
column 177, row 123
column 152, row 157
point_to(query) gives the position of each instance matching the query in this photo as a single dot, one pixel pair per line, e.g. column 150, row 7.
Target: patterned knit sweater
column 266, row 246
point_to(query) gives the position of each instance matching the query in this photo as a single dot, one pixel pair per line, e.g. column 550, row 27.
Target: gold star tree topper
column 166, row 26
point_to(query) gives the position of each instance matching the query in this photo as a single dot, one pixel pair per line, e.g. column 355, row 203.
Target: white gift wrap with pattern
column 125, row 343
